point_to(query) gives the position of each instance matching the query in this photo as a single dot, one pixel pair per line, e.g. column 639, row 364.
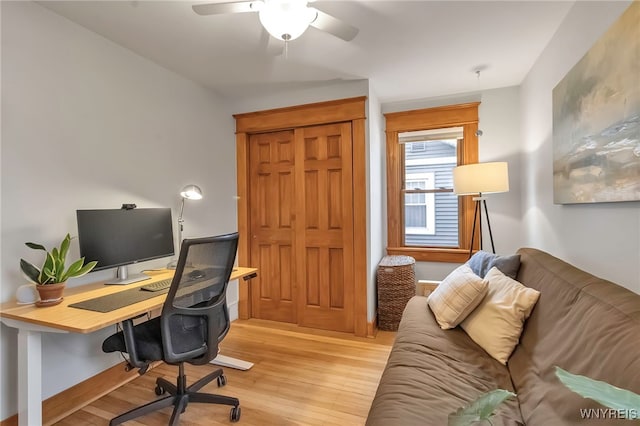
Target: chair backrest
column 194, row 316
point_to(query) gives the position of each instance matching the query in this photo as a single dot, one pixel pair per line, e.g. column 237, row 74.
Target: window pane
column 431, row 220
column 416, row 199
column 415, row 216
column 416, row 184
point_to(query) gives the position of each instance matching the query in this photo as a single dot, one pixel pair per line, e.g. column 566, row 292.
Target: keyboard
column 157, row 286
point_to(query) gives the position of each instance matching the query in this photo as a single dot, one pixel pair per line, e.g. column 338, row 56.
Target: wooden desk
column 31, row 322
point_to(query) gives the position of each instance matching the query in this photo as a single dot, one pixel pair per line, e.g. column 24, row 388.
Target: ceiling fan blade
column 224, row 8
column 332, row 25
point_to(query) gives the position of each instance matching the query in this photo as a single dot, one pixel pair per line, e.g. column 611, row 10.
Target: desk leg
column 29, row 377
column 227, row 361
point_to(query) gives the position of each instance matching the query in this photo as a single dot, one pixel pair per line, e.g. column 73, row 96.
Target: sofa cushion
column 432, row 372
column 456, row 296
column 581, row 323
column 496, row 324
column 481, row 262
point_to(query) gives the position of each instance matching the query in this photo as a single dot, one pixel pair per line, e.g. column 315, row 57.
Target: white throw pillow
column 497, row 322
column 456, row 296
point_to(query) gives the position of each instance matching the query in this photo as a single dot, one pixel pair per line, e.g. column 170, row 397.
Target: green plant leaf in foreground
column 480, row 409
column 604, row 393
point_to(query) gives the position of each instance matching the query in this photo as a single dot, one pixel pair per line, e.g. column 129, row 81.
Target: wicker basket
column 396, row 285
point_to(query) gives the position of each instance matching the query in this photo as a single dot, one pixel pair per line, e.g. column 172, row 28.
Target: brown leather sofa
column 581, row 323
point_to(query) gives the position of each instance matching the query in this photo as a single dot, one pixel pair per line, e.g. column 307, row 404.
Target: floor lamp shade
column 481, row 178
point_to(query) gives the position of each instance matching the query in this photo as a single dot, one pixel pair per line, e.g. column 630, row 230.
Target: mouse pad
column 111, row 302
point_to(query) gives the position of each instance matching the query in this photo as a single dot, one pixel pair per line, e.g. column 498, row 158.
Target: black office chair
column 194, row 319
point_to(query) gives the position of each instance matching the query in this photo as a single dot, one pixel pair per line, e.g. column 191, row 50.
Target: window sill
column 424, row 254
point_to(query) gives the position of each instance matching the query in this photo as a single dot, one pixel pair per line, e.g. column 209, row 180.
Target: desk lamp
column 479, row 179
column 189, row 192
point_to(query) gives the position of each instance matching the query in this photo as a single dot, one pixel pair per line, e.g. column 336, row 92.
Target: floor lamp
column 189, row 192
column 479, row 179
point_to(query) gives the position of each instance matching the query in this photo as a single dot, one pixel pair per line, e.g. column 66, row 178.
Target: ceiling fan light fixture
column 286, row 19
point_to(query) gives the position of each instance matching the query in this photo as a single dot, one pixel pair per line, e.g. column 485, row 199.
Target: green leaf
column 30, row 271
column 86, row 269
column 480, row 409
column 77, row 270
column 58, row 264
column 47, row 276
column 602, row 392
column 73, row 269
column 35, row 246
column 64, row 247
column 50, row 264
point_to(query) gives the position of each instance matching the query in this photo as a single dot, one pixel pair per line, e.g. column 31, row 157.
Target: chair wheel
column 222, row 380
column 234, row 416
column 159, row 390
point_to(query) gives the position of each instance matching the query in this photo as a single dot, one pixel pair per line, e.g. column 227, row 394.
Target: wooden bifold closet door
column 301, row 224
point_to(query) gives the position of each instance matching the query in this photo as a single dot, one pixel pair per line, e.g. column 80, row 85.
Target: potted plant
column 50, row 280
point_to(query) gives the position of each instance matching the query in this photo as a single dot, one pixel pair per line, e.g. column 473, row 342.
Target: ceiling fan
column 284, row 19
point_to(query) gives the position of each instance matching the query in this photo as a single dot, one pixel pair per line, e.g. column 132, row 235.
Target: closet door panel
column 272, row 213
column 324, row 227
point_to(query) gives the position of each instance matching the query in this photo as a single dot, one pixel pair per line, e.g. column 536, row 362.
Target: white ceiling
column 407, row 49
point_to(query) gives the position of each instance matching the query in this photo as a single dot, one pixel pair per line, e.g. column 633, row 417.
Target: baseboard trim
column 372, row 327
column 10, row 421
column 84, row 393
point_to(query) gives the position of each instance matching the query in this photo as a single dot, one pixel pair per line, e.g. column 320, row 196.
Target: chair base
column 180, row 395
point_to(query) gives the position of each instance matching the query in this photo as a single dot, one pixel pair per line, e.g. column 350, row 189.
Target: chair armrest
column 130, row 345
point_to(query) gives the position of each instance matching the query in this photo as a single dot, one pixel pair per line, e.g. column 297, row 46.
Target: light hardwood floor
column 300, row 377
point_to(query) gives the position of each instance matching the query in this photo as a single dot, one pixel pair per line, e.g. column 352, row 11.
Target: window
column 426, row 219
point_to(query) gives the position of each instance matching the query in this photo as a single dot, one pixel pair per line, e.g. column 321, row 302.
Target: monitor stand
column 123, row 277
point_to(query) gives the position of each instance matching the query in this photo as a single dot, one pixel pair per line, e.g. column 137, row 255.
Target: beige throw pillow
column 456, row 296
column 497, row 322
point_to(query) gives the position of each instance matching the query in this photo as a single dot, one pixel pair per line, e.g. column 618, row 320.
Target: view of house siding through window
column 431, row 208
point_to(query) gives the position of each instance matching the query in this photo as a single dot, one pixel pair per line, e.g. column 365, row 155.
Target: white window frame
column 430, row 204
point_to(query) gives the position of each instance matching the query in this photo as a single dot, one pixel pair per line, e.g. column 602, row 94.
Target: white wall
column 603, row 239
column 322, row 92
column 89, row 124
column 500, row 123
column 376, row 197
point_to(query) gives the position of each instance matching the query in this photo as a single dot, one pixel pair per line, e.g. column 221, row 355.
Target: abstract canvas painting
column 596, row 120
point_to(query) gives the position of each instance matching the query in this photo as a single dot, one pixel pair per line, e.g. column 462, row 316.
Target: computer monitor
column 120, row 237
